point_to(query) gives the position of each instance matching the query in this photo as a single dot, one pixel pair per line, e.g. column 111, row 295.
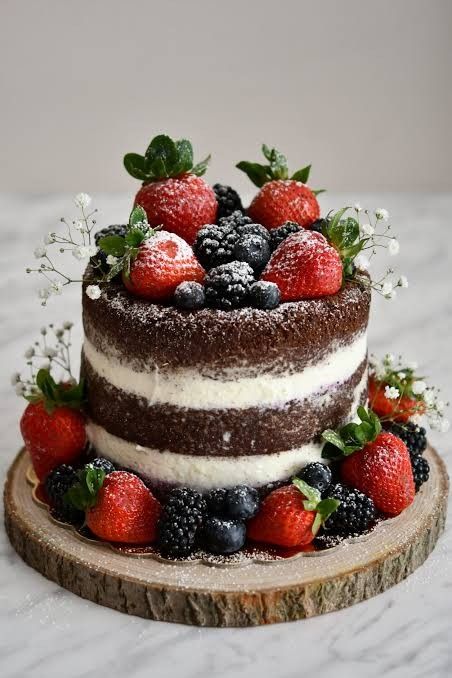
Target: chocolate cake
column 212, row 398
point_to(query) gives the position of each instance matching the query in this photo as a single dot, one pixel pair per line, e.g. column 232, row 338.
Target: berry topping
column 318, row 226
column 277, row 235
column 421, row 470
column 241, row 502
column 228, row 200
column 254, row 250
column 181, row 519
column 119, row 507
column 57, row 483
column 354, row 515
column 305, row 266
column 228, row 286
column 264, row 295
column 216, row 244
column 105, row 464
column 413, row 436
column 392, row 402
column 52, row 426
column 189, row 295
column 291, row 515
column 161, row 264
column 173, row 194
column 281, row 198
column 316, row 475
column 215, row 500
column 223, row 536
column 100, row 259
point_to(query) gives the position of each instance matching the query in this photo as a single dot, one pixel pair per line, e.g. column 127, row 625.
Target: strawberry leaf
column 138, row 216
column 324, row 509
column 351, row 437
column 83, row 494
column 164, row 158
column 258, row 174
column 113, row 244
column 185, row 156
column 302, row 174
column 201, row 167
column 136, row 166
column 312, row 495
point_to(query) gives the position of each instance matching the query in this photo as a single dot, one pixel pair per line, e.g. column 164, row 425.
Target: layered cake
column 225, row 398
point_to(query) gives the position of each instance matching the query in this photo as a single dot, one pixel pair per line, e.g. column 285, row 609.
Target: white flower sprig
column 400, row 384
column 76, row 238
column 50, row 352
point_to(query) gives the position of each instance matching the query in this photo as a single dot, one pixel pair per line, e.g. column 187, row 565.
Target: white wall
column 360, row 88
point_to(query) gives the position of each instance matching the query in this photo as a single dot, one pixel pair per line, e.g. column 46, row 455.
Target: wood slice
column 242, row 594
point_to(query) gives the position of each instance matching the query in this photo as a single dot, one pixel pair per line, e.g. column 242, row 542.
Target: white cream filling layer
column 188, row 388
column 207, row 472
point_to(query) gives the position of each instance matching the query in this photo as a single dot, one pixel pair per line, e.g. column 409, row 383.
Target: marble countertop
column 403, row 633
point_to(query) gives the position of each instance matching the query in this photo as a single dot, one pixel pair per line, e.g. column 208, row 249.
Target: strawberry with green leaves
column 291, row 515
column 374, row 462
column 152, row 263
column 173, row 195
column 118, row 507
column 281, row 198
column 53, row 424
column 396, row 393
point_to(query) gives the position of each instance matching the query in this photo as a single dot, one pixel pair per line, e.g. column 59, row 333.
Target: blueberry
column 254, row 250
column 189, row 295
column 222, row 536
column 316, row 475
column 264, row 295
column 104, row 464
column 241, row 502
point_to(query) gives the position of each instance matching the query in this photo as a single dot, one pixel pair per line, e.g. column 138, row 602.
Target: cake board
column 246, row 593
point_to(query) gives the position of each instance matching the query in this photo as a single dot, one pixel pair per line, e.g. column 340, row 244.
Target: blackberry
column 421, row 470
column 223, row 536
column 181, row 518
column 254, row 250
column 215, row 244
column 316, row 475
column 264, row 295
column 215, row 501
column 277, row 235
column 318, row 226
column 104, row 464
column 100, row 259
column 189, row 296
column 228, row 200
column 57, row 483
column 354, row 515
column 414, row 436
column 228, row 286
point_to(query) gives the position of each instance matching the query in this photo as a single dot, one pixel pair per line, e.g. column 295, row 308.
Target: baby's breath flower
column 362, row 262
column 419, row 387
column 49, row 238
column 80, row 252
column 387, row 289
column 39, row 252
column 29, row 353
column 80, row 226
column 50, row 352
column 403, row 281
column 357, row 207
column 82, row 200
column 412, row 365
column 92, row 250
column 382, row 214
column 56, row 287
column 444, row 426
column 367, row 229
column 44, row 293
column 391, row 392
column 440, row 405
column 111, row 260
column 429, row 397
column 45, row 365
column 59, row 333
column 67, row 325
column 93, row 291
column 15, row 378
column 43, row 331
column 20, row 388
column 401, row 375
column 393, row 247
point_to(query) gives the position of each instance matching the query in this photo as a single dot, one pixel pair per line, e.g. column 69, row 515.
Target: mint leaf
column 113, row 244
column 138, row 216
column 201, row 167
column 302, row 174
column 136, row 166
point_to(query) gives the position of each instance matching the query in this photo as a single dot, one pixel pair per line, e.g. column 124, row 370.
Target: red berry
column 282, row 519
column 125, row 511
column 382, row 470
column 284, row 200
column 305, row 266
column 399, row 409
column 180, row 205
column 52, row 439
column 162, row 263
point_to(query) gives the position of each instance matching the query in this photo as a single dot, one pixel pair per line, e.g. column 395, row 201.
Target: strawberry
column 173, row 194
column 161, row 264
column 382, row 470
column 291, row 515
column 52, row 425
column 399, row 409
column 119, row 507
column 305, row 266
column 281, row 198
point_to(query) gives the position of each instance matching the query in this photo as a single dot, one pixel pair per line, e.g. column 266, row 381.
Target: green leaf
column 138, row 216
column 312, row 495
column 161, row 155
column 267, row 152
column 333, row 438
column 115, row 270
column 113, row 244
column 83, row 495
column 333, row 223
column 302, row 174
column 185, row 156
column 135, row 237
column 201, row 167
column 318, row 191
column 350, row 231
column 278, row 165
column 258, row 174
column 136, row 166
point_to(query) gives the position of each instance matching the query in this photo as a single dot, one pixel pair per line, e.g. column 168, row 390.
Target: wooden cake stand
column 246, row 593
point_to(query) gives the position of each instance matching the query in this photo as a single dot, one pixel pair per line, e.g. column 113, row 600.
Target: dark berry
column 181, row 519
column 254, row 250
column 215, row 501
column 265, row 295
column 104, row 464
column 413, row 436
column 421, row 470
column 222, row 536
column 278, row 235
column 354, row 515
column 318, row 226
column 189, row 296
column 316, row 475
column 215, row 244
column 57, row 483
column 241, row 502
column 100, row 259
column 228, row 200
column 227, row 286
